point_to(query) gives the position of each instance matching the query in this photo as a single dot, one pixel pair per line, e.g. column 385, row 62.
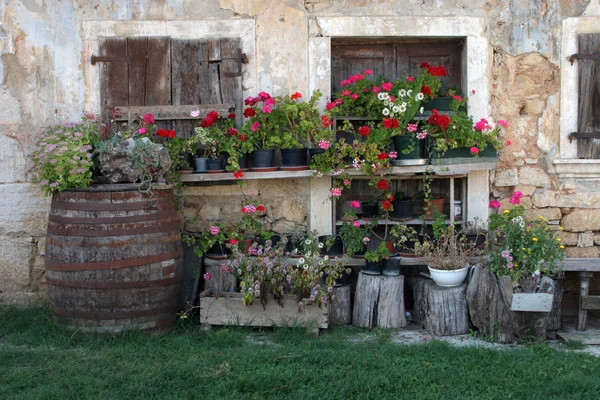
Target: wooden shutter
column 354, row 59
column 170, row 78
column 589, row 97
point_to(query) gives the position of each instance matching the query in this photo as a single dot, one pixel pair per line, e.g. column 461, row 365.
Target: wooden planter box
column 228, row 309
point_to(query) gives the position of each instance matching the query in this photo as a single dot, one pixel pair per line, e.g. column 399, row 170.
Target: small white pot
column 448, row 278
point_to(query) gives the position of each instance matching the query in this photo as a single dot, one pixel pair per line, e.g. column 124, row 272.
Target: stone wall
column 45, row 79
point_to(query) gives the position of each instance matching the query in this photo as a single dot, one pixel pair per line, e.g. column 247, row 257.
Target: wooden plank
column 137, row 48
column 589, row 96
column 214, row 85
column 227, row 309
column 588, row 337
column 590, row 302
column 113, row 76
column 179, row 112
column 581, row 264
column 158, row 72
column 214, row 50
column 533, row 302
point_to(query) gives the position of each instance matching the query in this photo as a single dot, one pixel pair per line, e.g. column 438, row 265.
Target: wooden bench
column 586, row 268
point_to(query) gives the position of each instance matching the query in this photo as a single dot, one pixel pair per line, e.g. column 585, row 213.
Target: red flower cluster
column 249, row 112
column 210, row 119
column 436, row 71
column 296, row 95
column 262, row 96
column 148, row 118
column 233, row 241
column 238, row 174
column 325, row 121
column 390, row 123
column 386, row 204
column 382, row 184
column 232, row 132
column 260, row 208
column 165, row 133
column 364, row 131
column 425, row 90
column 382, row 156
column 354, row 78
column 439, row 120
column 242, row 138
column 424, row 64
column 231, row 116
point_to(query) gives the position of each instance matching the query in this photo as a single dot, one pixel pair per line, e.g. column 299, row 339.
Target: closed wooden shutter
column 394, row 59
column 171, row 77
column 589, row 97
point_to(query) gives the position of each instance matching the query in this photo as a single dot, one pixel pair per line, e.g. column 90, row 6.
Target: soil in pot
column 402, row 209
column 435, row 204
column 293, row 157
column 369, row 209
column 372, row 267
column 263, row 158
column 336, row 249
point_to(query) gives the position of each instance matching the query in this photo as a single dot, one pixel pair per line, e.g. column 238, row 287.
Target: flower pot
column 263, row 242
column 439, row 103
column 391, row 246
column 407, row 249
column 488, row 152
column 402, row 209
column 245, row 244
column 294, row 245
column 200, row 164
column 218, row 251
column 372, row 267
column 336, row 249
column 478, row 239
column 263, row 158
column 391, row 267
column 428, row 210
column 293, row 157
column 314, row 152
column 409, row 142
column 214, row 165
column 243, row 162
column 448, row 278
column 369, row 209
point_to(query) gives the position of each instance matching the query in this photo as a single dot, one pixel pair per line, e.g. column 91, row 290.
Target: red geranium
column 161, row 132
column 325, row 121
column 260, row 208
column 390, row 123
column 231, row 116
column 439, row 120
column 436, row 71
column 232, row 132
column 382, row 184
column 171, row 133
column 296, row 95
column 382, row 156
column 242, row 138
column 386, row 205
column 238, row 175
column 213, row 115
column 207, row 122
column 233, row 241
column 424, row 64
column 249, row 112
column 364, row 131
column 425, row 90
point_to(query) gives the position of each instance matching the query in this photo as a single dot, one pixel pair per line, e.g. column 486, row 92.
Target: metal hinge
column 583, row 135
column 96, row 59
column 582, row 56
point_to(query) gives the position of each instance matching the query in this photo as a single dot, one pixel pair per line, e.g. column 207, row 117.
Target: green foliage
column 62, row 157
column 354, row 237
column 520, row 248
column 208, row 238
column 145, row 157
column 380, row 253
column 403, row 235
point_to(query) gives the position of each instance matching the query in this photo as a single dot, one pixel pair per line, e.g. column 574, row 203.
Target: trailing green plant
column 145, row 157
column 62, row 156
column 355, row 237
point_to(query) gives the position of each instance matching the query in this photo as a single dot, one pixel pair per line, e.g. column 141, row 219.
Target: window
column 588, row 109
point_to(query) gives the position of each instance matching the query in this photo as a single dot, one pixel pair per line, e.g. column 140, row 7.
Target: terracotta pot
column 245, row 245
column 391, row 247
column 428, row 211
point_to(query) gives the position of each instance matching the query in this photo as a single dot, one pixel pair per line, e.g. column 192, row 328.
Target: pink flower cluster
column 393, row 154
column 474, row 150
column 422, row 135
column 503, row 123
column 494, row 204
column 354, row 204
column 412, row 127
column 516, row 198
column 336, row 192
column 324, row 144
column 356, row 224
column 214, row 230
column 482, row 125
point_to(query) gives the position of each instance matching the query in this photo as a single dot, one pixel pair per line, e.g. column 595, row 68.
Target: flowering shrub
column 214, row 234
column 252, row 212
column 262, row 126
column 519, row 247
column 358, row 96
column 215, row 134
column 353, row 235
column 62, row 157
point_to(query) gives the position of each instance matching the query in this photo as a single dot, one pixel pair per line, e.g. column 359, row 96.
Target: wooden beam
column 173, row 112
column 581, row 264
column 590, row 302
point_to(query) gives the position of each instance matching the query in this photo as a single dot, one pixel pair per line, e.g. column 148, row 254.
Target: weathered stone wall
column 43, row 80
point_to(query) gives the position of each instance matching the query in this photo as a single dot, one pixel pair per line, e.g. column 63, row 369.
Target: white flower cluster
column 519, row 221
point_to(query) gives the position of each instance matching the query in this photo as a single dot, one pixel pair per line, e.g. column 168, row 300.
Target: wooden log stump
column 441, row 310
column 340, row 312
column 555, row 322
column 220, row 281
column 379, row 301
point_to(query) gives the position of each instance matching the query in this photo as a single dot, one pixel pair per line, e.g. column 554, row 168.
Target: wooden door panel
column 354, row 59
column 589, row 96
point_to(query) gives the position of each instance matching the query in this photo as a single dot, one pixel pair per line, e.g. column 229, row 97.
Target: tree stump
column 441, row 310
column 555, row 322
column 490, row 302
column 379, row 301
column 340, row 311
column 220, row 280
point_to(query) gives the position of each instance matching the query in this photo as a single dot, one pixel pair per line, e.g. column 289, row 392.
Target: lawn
column 39, row 361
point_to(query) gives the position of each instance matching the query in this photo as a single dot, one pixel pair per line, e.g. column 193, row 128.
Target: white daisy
column 403, row 108
column 308, row 254
column 421, row 110
column 420, row 96
column 320, row 245
column 386, row 103
column 307, row 241
column 381, row 95
column 395, row 109
column 301, row 261
column 386, row 112
column 409, row 92
column 404, row 104
column 326, row 258
column 401, row 92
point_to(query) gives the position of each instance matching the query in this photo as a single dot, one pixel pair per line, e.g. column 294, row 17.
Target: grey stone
column 117, row 167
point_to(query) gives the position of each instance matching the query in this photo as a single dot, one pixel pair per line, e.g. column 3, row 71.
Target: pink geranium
column 356, row 224
column 336, row 192
column 494, row 204
column 214, row 230
column 148, row 118
column 354, row 204
column 368, row 72
column 267, row 110
column 503, row 123
column 410, row 78
column 474, row 150
column 255, row 126
column 354, row 96
column 516, row 198
column 376, row 89
column 324, row 144
column 387, row 86
column 508, row 143
column 412, row 127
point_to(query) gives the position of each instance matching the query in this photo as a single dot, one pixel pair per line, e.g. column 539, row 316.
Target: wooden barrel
column 114, row 258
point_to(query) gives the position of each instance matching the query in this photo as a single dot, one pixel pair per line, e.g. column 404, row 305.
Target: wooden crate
column 228, row 309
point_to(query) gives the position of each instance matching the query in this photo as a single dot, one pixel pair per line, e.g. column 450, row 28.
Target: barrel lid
column 119, row 187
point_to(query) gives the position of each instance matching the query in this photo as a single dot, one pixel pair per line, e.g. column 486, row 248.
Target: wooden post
column 555, row 323
column 379, row 301
column 340, row 312
column 441, row 310
column 584, row 290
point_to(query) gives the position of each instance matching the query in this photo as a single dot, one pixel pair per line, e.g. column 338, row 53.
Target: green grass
column 39, row 361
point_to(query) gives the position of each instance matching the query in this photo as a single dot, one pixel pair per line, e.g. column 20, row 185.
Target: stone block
column 23, row 209
column 527, row 190
column 507, row 177
column 16, row 259
column 569, row 238
column 546, row 213
column 10, row 110
column 534, row 177
column 535, row 106
column 582, row 252
column 596, row 238
column 12, row 161
column 586, row 239
column 544, row 198
column 210, row 212
column 581, row 220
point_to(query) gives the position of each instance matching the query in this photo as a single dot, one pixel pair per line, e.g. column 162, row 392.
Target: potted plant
column 448, row 255
column 333, row 245
column 355, row 237
column 476, row 232
column 213, row 134
column 211, row 243
column 262, row 129
column 402, row 207
column 405, row 238
column 374, row 259
column 358, row 97
column 250, row 225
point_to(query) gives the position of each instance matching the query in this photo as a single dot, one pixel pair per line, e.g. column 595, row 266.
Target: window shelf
column 414, row 221
column 347, row 261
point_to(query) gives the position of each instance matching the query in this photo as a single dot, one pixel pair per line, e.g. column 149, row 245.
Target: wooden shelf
column 414, row 221
column 446, row 171
column 348, row 262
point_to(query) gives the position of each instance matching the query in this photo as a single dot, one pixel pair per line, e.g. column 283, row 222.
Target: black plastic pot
column 314, row 152
column 274, row 240
column 402, row 208
column 243, row 161
column 477, row 239
column 369, row 209
column 405, row 142
column 263, row 158
column 373, row 267
column 293, row 157
column 293, row 245
column 214, row 165
column 391, row 267
column 348, row 160
column 336, row 249
column 218, row 251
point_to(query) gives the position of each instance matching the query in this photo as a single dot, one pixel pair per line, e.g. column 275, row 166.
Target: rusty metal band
column 65, row 243
column 126, row 263
column 63, row 231
column 112, row 220
column 138, row 205
column 113, row 314
column 112, row 285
